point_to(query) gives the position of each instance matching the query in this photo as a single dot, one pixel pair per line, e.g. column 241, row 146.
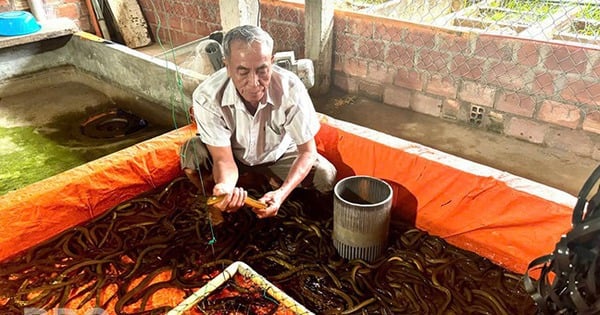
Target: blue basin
column 14, row 23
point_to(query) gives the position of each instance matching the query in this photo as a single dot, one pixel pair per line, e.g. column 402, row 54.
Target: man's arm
column 225, row 175
column 307, row 155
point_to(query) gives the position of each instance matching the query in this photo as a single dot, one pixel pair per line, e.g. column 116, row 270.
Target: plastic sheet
column 507, row 219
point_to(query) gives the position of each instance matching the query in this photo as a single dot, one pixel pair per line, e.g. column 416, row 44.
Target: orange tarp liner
column 479, row 213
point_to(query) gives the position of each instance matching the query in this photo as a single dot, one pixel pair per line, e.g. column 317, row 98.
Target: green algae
column 30, row 154
column 27, row 156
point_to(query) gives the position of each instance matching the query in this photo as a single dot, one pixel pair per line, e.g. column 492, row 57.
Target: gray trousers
column 322, row 176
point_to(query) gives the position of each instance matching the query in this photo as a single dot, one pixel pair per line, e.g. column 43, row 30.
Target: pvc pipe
column 37, row 8
column 93, row 18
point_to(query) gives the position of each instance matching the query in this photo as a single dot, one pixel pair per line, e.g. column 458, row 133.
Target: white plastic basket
column 244, row 270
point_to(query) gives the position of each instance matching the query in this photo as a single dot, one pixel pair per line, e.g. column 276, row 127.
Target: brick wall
column 180, row 21
column 539, row 92
column 544, row 93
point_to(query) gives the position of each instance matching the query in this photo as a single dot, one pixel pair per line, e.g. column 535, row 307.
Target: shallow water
column 40, row 129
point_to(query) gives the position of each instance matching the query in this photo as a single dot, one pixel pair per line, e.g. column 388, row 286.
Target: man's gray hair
column 246, row 34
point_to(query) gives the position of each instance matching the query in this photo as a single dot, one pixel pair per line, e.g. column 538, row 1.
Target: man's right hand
column 234, row 197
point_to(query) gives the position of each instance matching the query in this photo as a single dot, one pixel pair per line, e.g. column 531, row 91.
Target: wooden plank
column 130, row 22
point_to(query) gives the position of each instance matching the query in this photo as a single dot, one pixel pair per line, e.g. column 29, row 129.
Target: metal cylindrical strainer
column 361, row 217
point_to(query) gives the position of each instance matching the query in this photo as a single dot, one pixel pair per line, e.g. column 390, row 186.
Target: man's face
column 249, row 67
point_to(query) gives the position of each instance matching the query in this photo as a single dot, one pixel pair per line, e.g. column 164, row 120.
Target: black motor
column 569, row 281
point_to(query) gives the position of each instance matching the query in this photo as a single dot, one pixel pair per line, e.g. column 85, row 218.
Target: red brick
column 566, row 59
column 451, row 108
column 288, row 37
column 493, row 48
column 151, row 20
column 380, row 72
column 85, row 25
column 371, row 49
column 560, row 114
column 432, row 61
column 213, row 27
column 426, row 104
column 543, row 83
column 591, row 121
column 477, row 94
column 582, row 91
column 400, row 56
column 178, row 37
column 188, row 25
column 290, row 14
column 192, row 10
column 408, row 78
column 595, row 68
column 516, row 103
column 174, row 22
column 397, row 96
column 202, row 28
column 144, row 5
column 268, row 10
column 345, row 83
column 441, row 85
column 210, row 13
column 360, row 27
column 387, row 32
column 70, row 11
column 528, row 53
column 355, row 67
column 163, row 35
column 509, row 75
column 470, row 68
column 345, row 44
column 371, row 90
column 526, row 129
column 175, row 8
column 339, row 24
column 420, row 38
column 454, row 42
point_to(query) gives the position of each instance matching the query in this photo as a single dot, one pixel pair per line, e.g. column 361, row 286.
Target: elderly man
column 253, row 116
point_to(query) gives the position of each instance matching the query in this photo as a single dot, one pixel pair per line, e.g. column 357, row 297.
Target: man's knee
column 193, row 155
column 325, row 176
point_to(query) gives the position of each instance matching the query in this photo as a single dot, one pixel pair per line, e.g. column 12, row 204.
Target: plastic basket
column 245, row 270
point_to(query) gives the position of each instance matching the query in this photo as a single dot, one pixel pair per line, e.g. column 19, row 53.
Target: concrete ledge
column 50, row 29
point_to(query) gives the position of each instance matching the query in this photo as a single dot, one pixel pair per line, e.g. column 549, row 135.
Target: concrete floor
column 559, row 169
column 554, row 168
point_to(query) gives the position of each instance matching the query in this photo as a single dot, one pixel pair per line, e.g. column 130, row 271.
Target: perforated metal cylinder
column 361, row 217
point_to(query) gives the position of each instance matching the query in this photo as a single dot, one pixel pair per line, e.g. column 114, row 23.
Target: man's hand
column 273, row 200
column 234, row 197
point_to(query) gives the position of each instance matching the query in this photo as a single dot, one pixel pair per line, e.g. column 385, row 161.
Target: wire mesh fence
column 529, row 69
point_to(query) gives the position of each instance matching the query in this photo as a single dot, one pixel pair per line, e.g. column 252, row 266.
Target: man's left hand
column 273, row 200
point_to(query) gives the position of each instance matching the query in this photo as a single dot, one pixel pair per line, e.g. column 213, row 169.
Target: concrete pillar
column 318, row 39
column 238, row 12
